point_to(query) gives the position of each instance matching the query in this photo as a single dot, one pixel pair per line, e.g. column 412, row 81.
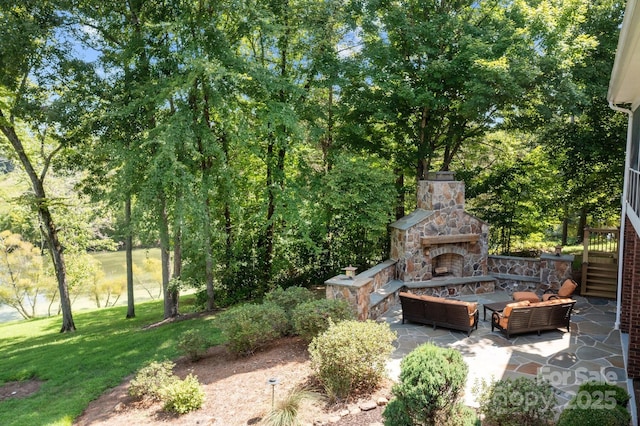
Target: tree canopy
column 266, row 143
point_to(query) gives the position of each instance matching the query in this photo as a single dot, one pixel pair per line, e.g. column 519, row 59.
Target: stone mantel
column 449, row 239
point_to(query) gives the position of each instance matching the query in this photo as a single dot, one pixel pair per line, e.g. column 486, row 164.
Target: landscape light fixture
column 273, row 382
column 350, row 271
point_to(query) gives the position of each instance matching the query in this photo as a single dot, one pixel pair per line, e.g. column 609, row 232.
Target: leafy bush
column 597, row 403
column 312, row 318
column 193, row 344
column 522, row 401
column 249, row 327
column 350, row 356
column 151, row 379
column 430, row 385
column 288, row 299
column 182, row 396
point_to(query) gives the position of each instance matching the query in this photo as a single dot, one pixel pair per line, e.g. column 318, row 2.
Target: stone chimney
column 440, row 191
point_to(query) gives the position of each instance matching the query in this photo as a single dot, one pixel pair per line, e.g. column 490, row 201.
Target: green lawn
column 78, row 367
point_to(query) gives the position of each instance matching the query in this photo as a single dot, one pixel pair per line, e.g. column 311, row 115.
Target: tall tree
column 35, row 77
column 432, row 76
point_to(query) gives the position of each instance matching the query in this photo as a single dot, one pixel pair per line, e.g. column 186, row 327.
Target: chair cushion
column 519, row 296
column 551, row 302
column 507, row 309
column 567, row 289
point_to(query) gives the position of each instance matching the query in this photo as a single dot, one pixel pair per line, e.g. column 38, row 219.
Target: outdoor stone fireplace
column 439, row 239
column 441, row 250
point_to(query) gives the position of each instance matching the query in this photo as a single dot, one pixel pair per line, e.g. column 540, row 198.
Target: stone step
column 389, row 289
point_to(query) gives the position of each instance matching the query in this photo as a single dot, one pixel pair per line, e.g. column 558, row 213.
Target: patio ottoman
column 520, row 296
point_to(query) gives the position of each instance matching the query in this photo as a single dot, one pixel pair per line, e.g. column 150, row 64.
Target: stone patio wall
column 530, row 274
column 357, row 290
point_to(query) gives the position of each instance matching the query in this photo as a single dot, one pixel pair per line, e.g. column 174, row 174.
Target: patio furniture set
column 526, row 313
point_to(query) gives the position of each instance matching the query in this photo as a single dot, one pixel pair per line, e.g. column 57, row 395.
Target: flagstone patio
column 591, row 351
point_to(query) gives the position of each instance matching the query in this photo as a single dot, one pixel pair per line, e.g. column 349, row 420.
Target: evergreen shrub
column 350, row 356
column 429, row 388
column 312, row 318
column 597, row 403
column 249, row 327
column 182, row 396
column 150, row 380
column 520, row 401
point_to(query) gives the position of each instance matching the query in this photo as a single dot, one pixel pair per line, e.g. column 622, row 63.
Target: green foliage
column 359, row 197
column 22, row 274
column 430, row 385
column 620, row 395
column 193, row 344
column 597, row 403
column 312, row 318
column 285, row 412
column 151, row 380
column 288, row 300
column 182, row 396
column 350, row 356
column 515, row 198
column 521, row 401
column 249, row 327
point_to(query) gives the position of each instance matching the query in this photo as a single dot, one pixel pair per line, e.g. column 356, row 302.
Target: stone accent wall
column 453, row 289
column 512, row 265
column 530, row 274
column 437, row 195
column 357, row 291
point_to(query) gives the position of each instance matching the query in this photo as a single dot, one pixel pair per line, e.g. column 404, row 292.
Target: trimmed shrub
column 182, row 396
column 350, row 356
column 288, row 299
column 312, row 318
column 577, row 416
column 249, row 327
column 430, row 384
column 597, row 403
column 522, row 401
column 607, row 391
column 193, row 344
column 151, row 379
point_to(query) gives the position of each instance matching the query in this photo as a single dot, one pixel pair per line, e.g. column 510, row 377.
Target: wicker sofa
column 438, row 311
column 526, row 317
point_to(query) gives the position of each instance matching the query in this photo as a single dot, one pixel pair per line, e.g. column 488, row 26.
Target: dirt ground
column 236, row 389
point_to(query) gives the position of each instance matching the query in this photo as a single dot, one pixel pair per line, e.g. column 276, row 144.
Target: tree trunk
column 581, row 225
column 174, row 291
column 163, row 229
column 565, row 224
column 400, row 199
column 47, row 225
column 131, row 307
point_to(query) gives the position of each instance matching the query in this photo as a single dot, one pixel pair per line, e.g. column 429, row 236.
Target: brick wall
column 630, row 304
